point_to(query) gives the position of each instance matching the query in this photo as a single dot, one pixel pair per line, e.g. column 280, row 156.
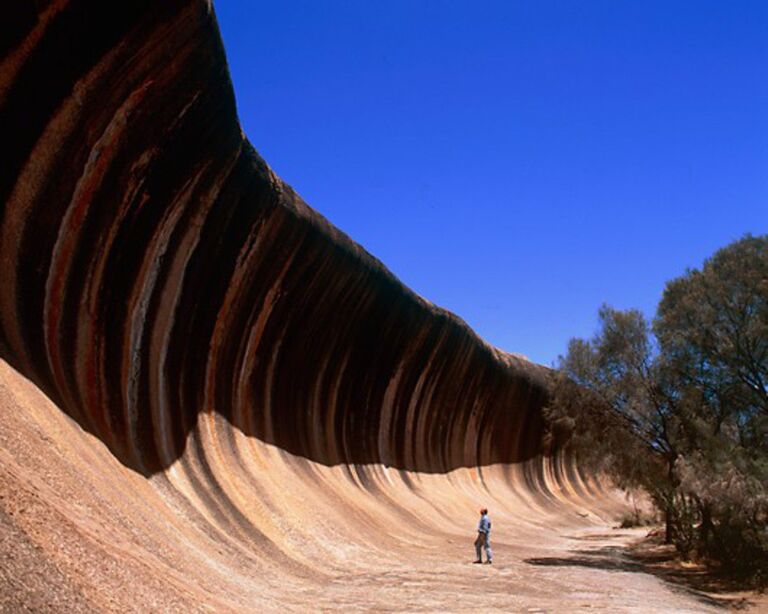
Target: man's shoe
column 477, row 562
column 489, row 562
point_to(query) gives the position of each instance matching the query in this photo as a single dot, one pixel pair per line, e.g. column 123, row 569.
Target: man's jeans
column 483, row 539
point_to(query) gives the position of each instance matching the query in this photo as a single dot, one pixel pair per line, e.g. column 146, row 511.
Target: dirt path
column 585, row 570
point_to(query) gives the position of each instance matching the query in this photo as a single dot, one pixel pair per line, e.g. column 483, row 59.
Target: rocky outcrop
column 154, row 268
column 243, row 410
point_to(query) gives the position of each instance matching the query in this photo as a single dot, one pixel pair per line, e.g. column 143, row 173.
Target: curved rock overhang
column 155, row 269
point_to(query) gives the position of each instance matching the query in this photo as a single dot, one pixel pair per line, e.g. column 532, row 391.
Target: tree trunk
column 668, row 529
column 706, row 526
column 669, row 511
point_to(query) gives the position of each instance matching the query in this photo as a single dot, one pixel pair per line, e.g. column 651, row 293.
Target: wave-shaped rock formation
column 272, row 393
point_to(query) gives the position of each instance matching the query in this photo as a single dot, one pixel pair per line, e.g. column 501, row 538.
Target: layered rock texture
column 237, row 396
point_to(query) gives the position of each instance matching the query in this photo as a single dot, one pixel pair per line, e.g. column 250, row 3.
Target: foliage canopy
column 679, row 406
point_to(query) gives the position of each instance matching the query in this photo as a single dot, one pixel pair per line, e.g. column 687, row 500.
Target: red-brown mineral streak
column 279, row 402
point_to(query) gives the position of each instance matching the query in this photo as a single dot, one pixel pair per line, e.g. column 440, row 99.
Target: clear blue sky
column 518, row 163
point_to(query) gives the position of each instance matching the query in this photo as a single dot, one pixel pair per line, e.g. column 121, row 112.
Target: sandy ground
column 236, row 525
column 585, row 570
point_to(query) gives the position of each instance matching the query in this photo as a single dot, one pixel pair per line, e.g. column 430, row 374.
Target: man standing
column 484, row 538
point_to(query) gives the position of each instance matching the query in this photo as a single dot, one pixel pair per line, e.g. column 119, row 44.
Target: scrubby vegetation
column 678, row 407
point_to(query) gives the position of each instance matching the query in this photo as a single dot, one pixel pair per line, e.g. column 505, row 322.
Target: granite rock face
column 155, row 268
column 211, row 398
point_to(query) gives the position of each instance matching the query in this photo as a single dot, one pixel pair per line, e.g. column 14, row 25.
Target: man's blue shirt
column 484, row 526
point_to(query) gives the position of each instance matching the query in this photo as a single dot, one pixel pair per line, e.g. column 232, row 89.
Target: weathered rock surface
column 278, row 401
column 154, row 268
